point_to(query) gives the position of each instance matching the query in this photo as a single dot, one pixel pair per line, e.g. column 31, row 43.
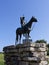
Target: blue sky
column 10, row 12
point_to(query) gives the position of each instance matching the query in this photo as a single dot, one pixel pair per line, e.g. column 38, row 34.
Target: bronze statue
column 25, row 28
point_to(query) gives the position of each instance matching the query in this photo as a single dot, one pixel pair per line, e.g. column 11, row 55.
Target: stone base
column 27, row 53
column 33, row 63
column 43, row 63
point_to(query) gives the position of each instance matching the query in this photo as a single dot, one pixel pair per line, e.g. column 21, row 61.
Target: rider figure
column 22, row 24
column 22, row 21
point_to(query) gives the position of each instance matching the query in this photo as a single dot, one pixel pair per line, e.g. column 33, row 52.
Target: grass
column 1, row 59
column 48, row 62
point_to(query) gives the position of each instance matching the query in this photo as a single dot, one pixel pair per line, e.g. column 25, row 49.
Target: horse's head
column 33, row 19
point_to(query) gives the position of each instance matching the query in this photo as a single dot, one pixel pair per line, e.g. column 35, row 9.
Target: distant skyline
column 12, row 10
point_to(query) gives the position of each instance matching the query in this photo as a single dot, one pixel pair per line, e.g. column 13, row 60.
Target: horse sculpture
column 25, row 29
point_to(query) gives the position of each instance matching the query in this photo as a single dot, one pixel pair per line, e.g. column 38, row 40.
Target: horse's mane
column 28, row 23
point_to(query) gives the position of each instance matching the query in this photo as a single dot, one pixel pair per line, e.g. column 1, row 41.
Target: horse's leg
column 28, row 34
column 16, row 39
column 20, row 39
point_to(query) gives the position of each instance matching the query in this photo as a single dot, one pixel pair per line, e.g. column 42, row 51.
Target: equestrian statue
column 25, row 28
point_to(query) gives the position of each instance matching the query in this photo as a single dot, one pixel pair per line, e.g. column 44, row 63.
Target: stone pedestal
column 28, row 53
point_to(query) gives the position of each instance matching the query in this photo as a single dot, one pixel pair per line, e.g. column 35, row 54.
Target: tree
column 48, row 45
column 48, row 49
column 41, row 41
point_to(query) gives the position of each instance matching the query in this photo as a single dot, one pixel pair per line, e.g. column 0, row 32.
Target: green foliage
column 1, row 59
column 48, row 52
column 40, row 41
column 1, row 63
column 48, row 62
column 48, row 49
column 48, row 45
